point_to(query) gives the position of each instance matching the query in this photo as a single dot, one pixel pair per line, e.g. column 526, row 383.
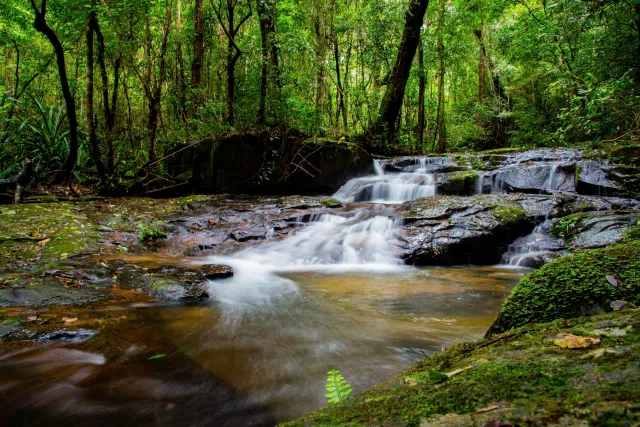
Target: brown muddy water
column 259, row 352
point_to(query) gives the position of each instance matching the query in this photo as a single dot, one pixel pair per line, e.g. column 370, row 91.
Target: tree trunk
column 441, row 125
column 482, row 89
column 94, row 149
column 264, row 72
column 421, row 88
column 321, row 45
column 40, row 24
column 394, row 95
column 109, row 109
column 198, row 44
column 340, row 108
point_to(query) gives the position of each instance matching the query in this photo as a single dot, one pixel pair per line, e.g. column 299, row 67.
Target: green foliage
column 566, row 227
column 337, row 388
column 151, row 232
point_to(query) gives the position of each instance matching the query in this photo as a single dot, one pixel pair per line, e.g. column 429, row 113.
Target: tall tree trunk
column 40, row 24
column 394, row 95
column 482, row 88
column 180, row 78
column 264, row 72
column 340, row 108
column 94, row 149
column 198, row 44
column 441, row 125
column 109, row 108
column 198, row 52
column 421, row 89
column 321, row 48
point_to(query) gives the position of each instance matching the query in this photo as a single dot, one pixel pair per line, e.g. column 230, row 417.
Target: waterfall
column 552, row 172
column 531, row 250
column 377, row 168
column 390, row 187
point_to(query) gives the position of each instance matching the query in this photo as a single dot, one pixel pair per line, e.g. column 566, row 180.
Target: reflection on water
column 276, row 345
column 265, row 346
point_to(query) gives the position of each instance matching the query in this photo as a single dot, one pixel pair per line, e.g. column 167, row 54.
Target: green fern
column 337, row 388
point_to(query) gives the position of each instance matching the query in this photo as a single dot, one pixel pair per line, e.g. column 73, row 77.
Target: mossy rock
column 523, row 379
column 509, row 215
column 459, row 183
column 573, row 286
column 331, row 203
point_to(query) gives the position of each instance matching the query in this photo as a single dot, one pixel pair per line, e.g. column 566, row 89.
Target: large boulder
column 258, row 164
column 585, row 283
column 445, row 230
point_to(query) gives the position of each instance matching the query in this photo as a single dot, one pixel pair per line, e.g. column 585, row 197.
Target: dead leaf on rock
column 69, row 320
column 574, row 341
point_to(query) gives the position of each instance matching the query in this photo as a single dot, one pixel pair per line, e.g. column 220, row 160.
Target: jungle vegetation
column 103, row 88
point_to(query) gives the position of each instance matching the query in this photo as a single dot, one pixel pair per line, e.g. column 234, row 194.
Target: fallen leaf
column 612, row 280
column 410, row 381
column 32, row 318
column 574, row 341
column 43, row 242
column 69, row 320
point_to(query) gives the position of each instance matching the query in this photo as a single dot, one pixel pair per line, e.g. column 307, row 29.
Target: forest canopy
column 111, row 86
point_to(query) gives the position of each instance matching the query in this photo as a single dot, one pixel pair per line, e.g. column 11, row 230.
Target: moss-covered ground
column 523, row 379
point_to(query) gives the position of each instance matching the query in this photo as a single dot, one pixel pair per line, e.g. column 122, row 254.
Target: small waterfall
column 390, row 187
column 532, row 250
column 552, row 172
column 377, row 168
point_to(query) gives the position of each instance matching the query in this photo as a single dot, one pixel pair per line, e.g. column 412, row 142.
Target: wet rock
column 216, row 272
column 171, row 290
column 266, row 164
column 461, row 183
column 411, row 164
column 604, row 228
column 445, row 230
column 592, row 179
column 255, row 233
column 68, row 336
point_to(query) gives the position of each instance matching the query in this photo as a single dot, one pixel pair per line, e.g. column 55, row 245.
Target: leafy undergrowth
column 584, row 283
column 524, row 379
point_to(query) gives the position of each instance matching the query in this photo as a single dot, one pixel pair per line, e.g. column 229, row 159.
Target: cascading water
column 532, row 250
column 390, row 187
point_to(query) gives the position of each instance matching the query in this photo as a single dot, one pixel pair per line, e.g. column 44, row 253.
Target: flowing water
column 331, row 296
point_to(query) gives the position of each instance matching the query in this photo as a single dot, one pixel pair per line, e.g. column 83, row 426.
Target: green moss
column 573, row 286
column 566, row 227
column 331, row 203
column 465, row 178
column 507, row 150
column 508, row 215
column 528, row 379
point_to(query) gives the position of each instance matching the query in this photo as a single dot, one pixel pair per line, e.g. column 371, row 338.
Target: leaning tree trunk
column 109, row 107
column 40, row 24
column 385, row 125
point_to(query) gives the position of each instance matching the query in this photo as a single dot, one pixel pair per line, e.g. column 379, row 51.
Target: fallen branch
column 22, row 179
column 500, row 338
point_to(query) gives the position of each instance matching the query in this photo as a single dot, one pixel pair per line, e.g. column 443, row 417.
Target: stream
column 335, row 294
